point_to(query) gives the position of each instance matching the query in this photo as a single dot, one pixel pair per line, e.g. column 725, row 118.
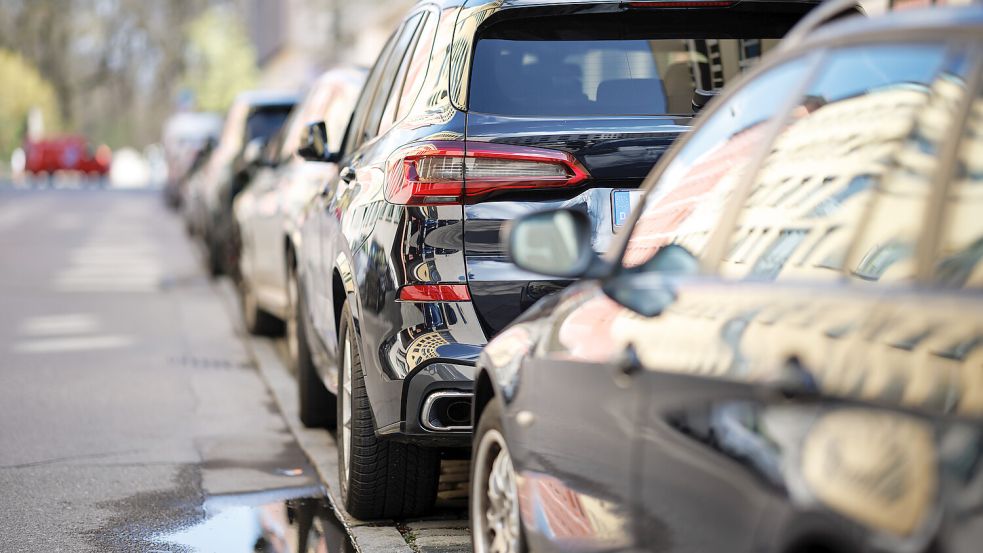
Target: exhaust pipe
column 447, row 411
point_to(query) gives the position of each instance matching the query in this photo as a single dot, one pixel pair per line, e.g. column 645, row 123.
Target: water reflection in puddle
column 297, row 525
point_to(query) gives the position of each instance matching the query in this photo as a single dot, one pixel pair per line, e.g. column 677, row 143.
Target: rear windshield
column 616, row 69
column 265, row 121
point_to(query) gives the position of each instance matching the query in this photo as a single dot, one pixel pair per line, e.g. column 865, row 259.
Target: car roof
column 266, row 97
column 506, row 4
column 904, row 23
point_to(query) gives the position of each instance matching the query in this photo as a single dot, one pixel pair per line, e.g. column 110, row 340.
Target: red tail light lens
column 435, row 292
column 443, row 172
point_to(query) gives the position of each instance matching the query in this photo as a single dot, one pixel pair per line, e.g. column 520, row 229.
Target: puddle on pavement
column 259, row 523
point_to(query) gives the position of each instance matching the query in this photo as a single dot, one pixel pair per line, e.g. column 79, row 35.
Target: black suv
column 475, row 113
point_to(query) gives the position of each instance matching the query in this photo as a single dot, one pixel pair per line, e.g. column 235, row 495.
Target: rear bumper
column 436, row 406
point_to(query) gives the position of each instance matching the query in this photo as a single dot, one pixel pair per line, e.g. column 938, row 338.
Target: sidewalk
column 444, row 532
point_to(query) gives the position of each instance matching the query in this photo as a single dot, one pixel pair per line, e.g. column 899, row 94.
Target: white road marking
column 76, row 323
column 119, row 256
column 80, row 343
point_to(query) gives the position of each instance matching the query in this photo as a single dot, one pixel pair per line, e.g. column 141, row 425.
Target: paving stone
column 431, row 524
column 460, row 543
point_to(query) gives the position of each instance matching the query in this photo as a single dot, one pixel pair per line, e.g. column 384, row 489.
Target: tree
column 23, row 89
column 221, row 60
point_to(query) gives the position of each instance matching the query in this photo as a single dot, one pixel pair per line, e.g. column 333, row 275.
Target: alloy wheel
column 494, row 497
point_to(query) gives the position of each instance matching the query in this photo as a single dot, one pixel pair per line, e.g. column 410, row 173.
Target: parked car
column 70, row 153
column 473, row 115
column 267, row 210
column 253, row 118
column 185, row 134
column 192, row 206
column 783, row 352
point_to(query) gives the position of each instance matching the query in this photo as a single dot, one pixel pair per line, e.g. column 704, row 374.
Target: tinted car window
column 885, row 248
column 418, row 65
column 354, row 135
column 603, row 77
column 264, row 121
column 840, row 148
column 961, row 251
column 689, row 197
column 387, row 79
column 404, row 75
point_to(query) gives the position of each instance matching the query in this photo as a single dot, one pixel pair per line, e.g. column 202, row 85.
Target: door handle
column 347, row 174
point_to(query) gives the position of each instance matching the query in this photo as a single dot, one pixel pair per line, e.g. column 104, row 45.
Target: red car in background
column 66, row 153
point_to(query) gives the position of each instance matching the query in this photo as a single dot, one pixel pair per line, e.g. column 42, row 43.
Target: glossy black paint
column 788, row 414
column 356, row 247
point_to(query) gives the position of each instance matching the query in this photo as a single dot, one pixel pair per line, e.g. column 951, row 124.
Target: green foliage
column 221, row 60
column 23, row 89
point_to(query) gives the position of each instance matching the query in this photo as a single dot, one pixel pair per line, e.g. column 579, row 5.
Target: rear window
column 616, row 69
column 265, row 121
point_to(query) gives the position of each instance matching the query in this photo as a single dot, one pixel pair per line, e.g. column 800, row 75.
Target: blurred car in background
column 472, row 116
column 192, row 205
column 268, row 208
column 70, row 153
column 253, row 118
column 784, row 350
column 185, row 134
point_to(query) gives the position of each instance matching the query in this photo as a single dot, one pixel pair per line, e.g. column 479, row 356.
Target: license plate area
column 622, row 204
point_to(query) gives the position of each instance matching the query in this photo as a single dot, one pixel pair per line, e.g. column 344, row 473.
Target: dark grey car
column 783, row 352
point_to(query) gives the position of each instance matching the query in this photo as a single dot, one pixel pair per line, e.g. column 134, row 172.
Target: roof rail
column 819, row 16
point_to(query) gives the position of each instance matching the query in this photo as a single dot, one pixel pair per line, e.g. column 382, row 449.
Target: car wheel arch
column 338, row 297
column 484, row 392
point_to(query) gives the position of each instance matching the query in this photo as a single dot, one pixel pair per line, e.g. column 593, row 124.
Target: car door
column 741, row 370
column 573, row 433
column 268, row 233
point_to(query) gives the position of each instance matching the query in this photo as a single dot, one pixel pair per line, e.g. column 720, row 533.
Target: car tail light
column 674, row 4
column 445, row 172
column 434, row 292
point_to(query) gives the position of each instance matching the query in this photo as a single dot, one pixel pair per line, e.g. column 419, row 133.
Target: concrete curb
column 319, row 445
column 440, row 534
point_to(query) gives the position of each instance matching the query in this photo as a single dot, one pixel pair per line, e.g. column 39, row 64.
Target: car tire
column 491, row 467
column 316, row 404
column 258, row 322
column 379, row 478
column 213, row 256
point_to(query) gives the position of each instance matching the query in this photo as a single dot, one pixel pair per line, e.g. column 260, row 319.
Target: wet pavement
column 303, row 524
column 132, row 417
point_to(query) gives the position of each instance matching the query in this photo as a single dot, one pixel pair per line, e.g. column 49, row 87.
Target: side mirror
column 252, row 154
column 555, row 243
column 647, row 290
column 315, row 144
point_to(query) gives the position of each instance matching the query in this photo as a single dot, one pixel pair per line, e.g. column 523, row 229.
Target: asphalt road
column 130, row 409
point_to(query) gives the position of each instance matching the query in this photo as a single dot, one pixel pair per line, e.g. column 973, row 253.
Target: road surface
column 130, row 409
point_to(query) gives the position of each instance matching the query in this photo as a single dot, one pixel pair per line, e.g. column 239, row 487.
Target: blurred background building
column 296, row 40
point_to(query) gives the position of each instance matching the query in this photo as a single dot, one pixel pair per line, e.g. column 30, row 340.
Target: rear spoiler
column 822, row 15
